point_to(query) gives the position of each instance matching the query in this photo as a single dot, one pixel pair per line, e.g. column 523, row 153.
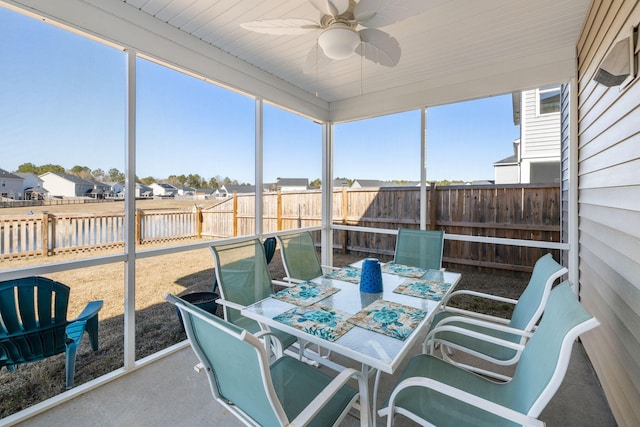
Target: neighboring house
column 186, row 191
column 536, row 154
column 11, row 185
column 66, row 185
column 339, row 183
column 143, row 191
column 116, row 189
column 33, row 186
column 163, row 190
column 374, row 183
column 100, row 190
column 228, row 190
column 205, row 193
column 292, row 184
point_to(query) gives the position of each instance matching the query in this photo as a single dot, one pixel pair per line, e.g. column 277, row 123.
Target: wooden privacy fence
column 49, row 234
column 530, row 212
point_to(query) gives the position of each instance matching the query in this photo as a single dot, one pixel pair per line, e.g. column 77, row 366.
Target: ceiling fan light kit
column 349, row 27
column 339, row 41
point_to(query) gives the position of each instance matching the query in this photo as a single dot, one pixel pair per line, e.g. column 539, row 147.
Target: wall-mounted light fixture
column 619, row 66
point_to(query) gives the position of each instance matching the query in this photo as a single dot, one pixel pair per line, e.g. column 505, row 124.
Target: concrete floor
column 169, row 392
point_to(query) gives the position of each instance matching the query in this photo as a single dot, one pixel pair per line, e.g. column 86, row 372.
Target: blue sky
column 63, row 103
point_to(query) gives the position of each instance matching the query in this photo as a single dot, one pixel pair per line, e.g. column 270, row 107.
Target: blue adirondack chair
column 34, row 324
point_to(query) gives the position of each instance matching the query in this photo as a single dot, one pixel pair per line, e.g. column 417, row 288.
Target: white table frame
column 373, row 350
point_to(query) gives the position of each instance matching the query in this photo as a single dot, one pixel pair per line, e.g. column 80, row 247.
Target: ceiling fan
column 347, row 27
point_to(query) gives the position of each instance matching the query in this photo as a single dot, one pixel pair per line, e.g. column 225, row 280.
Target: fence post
column 199, row 220
column 345, row 216
column 433, row 206
column 235, row 214
column 279, row 210
column 45, row 233
column 139, row 226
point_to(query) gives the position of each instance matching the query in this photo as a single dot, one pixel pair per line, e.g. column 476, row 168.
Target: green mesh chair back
column 235, row 374
column 536, row 379
column 545, row 358
column 533, row 299
column 34, row 326
column 242, row 276
column 299, row 256
column 420, row 248
column 525, row 315
column 242, row 380
column 269, row 250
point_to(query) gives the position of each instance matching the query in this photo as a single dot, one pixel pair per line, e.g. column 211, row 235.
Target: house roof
column 239, row 188
column 524, row 44
column 9, row 175
column 374, row 183
column 292, row 182
column 513, row 159
column 69, row 177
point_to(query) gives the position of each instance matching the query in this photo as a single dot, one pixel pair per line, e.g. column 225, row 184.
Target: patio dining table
column 377, row 330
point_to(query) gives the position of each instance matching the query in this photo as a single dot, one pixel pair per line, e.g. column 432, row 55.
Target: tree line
column 114, row 175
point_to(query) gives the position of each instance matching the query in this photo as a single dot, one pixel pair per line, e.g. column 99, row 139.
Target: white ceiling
column 459, row 49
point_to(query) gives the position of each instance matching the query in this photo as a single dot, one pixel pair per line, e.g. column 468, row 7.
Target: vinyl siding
column 540, row 133
column 609, row 211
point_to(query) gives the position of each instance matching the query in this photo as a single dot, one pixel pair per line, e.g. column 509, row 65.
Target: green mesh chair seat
column 34, row 326
column 419, row 248
column 287, row 392
column 432, row 390
column 526, row 313
column 299, row 256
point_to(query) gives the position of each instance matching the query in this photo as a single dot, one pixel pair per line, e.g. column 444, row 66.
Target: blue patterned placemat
column 429, row 289
column 305, row 293
column 323, row 322
column 389, row 318
column 346, row 274
column 403, row 270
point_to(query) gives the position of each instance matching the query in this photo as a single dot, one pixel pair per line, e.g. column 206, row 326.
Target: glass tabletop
column 374, row 349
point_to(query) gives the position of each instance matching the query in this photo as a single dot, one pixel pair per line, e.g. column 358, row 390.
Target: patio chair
column 243, row 279
column 34, row 326
column 300, row 258
column 483, row 329
column 269, row 250
column 286, row 392
column 419, row 248
column 434, row 391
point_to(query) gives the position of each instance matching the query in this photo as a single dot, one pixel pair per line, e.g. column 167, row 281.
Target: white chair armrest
column 230, row 304
column 291, row 281
column 285, row 284
column 474, row 314
column 461, row 395
column 274, row 341
column 445, row 326
column 478, row 294
column 340, row 380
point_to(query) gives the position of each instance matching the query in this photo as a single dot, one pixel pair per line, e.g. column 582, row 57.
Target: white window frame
column 544, row 90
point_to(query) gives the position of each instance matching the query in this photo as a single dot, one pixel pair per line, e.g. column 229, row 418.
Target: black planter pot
column 203, row 300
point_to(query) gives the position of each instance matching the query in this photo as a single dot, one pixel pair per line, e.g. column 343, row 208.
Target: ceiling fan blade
column 315, row 59
column 281, row 26
column 380, row 13
column 331, row 7
column 379, row 47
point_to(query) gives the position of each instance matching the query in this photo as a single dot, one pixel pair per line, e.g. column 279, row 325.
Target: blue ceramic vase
column 371, row 276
